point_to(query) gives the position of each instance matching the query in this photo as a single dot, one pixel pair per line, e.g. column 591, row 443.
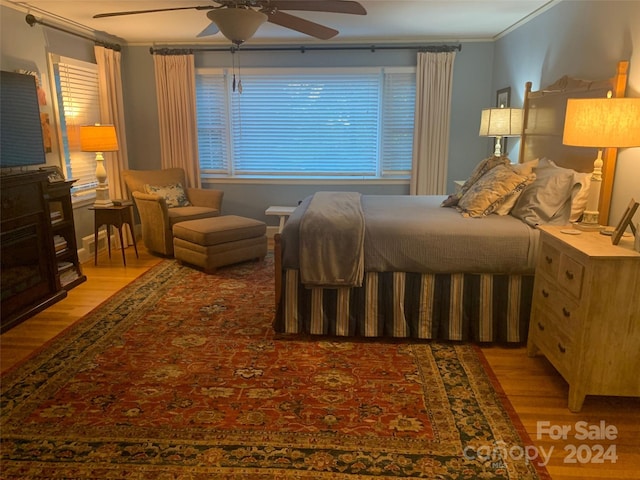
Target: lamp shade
column 98, row 138
column 501, row 122
column 237, row 24
column 602, row 122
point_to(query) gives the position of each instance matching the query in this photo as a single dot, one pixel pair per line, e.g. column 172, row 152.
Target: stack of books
column 56, row 216
column 67, row 271
column 60, row 243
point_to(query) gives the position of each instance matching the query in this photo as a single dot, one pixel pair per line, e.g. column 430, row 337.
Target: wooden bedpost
column 610, row 156
column 525, row 108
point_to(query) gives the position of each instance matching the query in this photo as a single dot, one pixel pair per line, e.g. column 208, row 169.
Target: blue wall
column 472, row 91
column 580, row 38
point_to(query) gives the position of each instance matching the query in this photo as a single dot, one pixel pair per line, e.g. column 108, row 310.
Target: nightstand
column 116, row 215
column 282, row 212
column 585, row 316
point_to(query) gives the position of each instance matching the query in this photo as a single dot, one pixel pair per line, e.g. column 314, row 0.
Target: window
column 310, row 123
column 76, row 86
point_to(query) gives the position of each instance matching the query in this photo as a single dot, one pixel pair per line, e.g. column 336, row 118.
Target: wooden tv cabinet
column 33, row 212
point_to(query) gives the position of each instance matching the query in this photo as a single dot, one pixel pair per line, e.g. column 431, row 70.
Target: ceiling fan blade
column 211, row 29
column 332, row 6
column 301, row 25
column 135, row 12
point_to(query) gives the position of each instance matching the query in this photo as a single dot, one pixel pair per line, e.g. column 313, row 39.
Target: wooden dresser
column 585, row 315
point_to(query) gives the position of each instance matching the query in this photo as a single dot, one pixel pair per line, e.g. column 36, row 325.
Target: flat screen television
column 21, row 141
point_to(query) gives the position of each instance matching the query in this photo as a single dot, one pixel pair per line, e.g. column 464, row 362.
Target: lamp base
column 102, row 198
column 587, row 227
column 590, row 221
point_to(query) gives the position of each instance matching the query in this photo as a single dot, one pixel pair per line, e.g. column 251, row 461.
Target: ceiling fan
column 238, row 20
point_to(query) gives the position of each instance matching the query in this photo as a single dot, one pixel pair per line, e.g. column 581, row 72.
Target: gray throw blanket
column 332, row 241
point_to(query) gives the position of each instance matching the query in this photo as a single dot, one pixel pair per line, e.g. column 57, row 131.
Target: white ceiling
column 386, row 20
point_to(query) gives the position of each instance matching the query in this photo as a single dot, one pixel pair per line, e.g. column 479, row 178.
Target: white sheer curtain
column 176, row 92
column 434, row 82
column 112, row 113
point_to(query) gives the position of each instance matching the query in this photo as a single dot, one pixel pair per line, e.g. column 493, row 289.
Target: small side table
column 282, row 212
column 116, row 215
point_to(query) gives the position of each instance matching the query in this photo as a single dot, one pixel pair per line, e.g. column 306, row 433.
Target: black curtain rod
column 303, row 49
column 31, row 20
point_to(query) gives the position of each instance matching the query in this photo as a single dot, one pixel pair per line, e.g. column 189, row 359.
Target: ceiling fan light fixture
column 237, row 24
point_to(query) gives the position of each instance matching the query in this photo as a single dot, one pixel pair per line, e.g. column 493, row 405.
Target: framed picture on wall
column 503, row 97
column 503, row 100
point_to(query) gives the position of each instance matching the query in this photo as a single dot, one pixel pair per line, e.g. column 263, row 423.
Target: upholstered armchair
column 161, row 204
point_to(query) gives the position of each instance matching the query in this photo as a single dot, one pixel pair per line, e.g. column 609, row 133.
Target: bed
column 408, row 266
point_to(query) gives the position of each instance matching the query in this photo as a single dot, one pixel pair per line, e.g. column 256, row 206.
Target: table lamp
column 501, row 122
column 600, row 123
column 99, row 139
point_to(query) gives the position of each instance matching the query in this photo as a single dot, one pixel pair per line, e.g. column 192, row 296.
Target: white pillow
column 580, row 196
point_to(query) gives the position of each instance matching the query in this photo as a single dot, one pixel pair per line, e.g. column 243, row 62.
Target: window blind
column 78, row 104
column 329, row 123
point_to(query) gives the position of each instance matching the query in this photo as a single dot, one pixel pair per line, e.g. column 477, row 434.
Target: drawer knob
column 545, row 294
column 569, row 274
column 561, row 348
column 566, row 312
column 548, row 259
column 540, row 327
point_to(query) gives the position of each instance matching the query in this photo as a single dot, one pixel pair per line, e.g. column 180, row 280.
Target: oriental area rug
column 180, row 376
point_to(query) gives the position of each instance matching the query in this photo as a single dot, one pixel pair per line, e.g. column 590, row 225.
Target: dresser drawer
column 570, row 275
column 557, row 305
column 552, row 342
column 549, row 261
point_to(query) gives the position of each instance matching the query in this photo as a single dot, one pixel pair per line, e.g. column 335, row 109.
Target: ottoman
column 217, row 241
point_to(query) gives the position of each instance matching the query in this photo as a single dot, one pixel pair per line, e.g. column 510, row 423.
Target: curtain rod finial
column 30, row 19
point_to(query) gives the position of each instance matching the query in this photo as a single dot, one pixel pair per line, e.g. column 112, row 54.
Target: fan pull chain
column 239, row 74
column 233, row 69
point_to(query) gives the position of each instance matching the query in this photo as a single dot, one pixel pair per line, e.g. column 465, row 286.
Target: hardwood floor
column 103, row 280
column 536, row 391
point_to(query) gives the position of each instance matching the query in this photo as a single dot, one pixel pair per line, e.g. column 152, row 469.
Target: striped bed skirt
column 467, row 307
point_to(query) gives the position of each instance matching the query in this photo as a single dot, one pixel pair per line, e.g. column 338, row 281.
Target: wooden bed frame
column 544, row 122
column 544, row 112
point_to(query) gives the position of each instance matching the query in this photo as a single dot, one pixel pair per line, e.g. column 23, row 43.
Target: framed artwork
column 55, row 174
column 503, row 99
column 625, row 222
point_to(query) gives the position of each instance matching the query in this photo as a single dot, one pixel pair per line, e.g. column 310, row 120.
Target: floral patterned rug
column 180, row 375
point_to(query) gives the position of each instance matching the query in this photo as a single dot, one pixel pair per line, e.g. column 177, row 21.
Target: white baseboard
column 87, row 248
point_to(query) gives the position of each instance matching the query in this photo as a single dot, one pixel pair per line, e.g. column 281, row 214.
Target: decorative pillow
column 525, row 169
column 483, row 167
column 173, row 194
column 494, row 188
column 548, row 199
